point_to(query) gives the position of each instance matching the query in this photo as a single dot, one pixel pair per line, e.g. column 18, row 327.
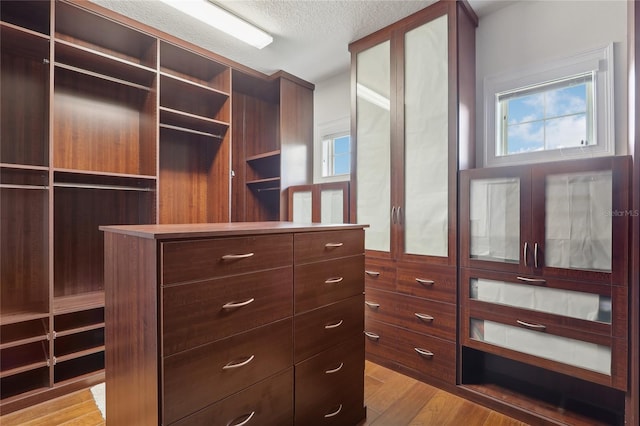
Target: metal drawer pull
column 238, row 364
column 425, row 282
column 335, row 370
column 334, row 280
column 236, row 256
column 232, row 305
column 372, row 305
column 371, row 335
column 335, row 413
column 424, row 317
column 244, row 422
column 335, row 325
column 533, row 326
column 425, row 353
column 531, row 280
column 372, row 273
column 333, row 245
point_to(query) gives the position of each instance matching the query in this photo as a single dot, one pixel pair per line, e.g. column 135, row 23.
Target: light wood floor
column 392, row 399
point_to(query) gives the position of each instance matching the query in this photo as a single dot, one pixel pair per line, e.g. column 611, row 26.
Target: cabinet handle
column 533, row 326
column 399, row 214
column 424, row 317
column 372, row 305
column 238, row 364
column 535, row 255
column 531, row 280
column 233, row 305
column 335, row 280
column 335, row 370
column 372, row 273
column 425, row 282
column 525, row 252
column 334, row 325
column 236, row 256
column 425, row 353
column 371, row 335
column 333, row 245
column 335, row 413
column 393, row 215
column 244, row 422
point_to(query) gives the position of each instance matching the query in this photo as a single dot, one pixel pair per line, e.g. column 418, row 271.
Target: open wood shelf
column 191, row 123
column 77, row 345
column 182, row 95
column 265, row 156
column 18, row 359
column 32, row 15
column 78, row 302
column 24, row 332
column 24, row 385
column 79, row 368
column 81, row 320
column 193, row 67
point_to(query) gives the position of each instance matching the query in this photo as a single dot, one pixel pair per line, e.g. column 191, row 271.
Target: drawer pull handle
column 371, row 335
column 334, row 325
column 335, row 413
column 238, row 364
column 424, row 317
column 532, row 280
column 335, row 370
column 334, row 280
column 372, row 305
column 236, row 256
column 233, row 305
column 244, row 422
column 424, row 353
column 425, row 282
column 333, row 245
column 372, row 273
column 532, row 326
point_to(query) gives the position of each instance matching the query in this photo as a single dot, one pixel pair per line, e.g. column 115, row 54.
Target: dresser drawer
column 332, row 378
column 268, row 403
column 204, row 311
column 417, row 314
column 427, row 355
column 317, row 246
column 184, row 261
column 317, row 330
column 379, row 273
column 428, row 281
column 321, row 283
column 198, row 377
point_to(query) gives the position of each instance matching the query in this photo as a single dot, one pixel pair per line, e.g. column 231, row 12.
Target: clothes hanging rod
column 11, row 186
column 107, row 187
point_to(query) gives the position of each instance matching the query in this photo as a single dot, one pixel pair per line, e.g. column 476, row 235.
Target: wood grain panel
column 317, row 330
column 184, row 261
column 413, row 313
column 268, row 403
column 321, row 283
column 196, row 378
column 379, row 273
column 316, row 246
column 193, row 314
column 412, row 276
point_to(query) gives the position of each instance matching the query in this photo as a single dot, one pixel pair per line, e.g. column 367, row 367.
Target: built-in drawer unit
column 200, row 321
column 426, row 355
column 379, row 273
column 427, row 281
column 413, row 313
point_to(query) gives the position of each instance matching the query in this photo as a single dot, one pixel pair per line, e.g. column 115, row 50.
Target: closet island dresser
column 234, row 323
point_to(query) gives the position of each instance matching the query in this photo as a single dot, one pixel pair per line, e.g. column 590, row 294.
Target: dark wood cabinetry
column 238, row 333
column 106, row 121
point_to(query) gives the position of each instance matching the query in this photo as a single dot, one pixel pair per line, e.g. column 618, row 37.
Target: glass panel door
column 331, row 206
column 373, row 92
column 302, row 206
column 426, row 106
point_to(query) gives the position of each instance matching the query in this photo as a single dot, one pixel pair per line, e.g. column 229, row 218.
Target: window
column 336, row 155
column 562, row 110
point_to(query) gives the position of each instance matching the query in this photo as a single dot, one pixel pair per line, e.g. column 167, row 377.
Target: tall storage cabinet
column 413, row 97
column 105, row 121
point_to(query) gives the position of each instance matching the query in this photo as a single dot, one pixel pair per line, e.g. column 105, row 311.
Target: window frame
column 598, row 60
column 331, row 154
column 331, row 129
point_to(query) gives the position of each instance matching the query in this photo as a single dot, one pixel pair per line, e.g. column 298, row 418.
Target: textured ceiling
column 311, row 37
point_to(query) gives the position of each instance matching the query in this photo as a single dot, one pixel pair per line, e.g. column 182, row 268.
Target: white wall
column 332, row 111
column 528, row 33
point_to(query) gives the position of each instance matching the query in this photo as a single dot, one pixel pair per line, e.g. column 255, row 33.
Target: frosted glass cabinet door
column 494, row 214
column 578, row 226
column 373, row 91
column 302, row 207
column 331, row 206
column 426, row 106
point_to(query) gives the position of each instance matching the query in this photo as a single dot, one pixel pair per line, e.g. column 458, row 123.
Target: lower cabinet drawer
column 198, row 377
column 267, row 403
column 428, row 281
column 416, row 314
column 379, row 273
column 425, row 354
column 331, row 382
column 317, row 330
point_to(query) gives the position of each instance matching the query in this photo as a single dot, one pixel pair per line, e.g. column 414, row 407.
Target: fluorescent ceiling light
column 219, row 18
